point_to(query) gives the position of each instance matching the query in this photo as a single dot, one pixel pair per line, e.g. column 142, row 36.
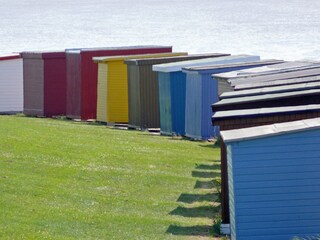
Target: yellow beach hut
column 112, row 95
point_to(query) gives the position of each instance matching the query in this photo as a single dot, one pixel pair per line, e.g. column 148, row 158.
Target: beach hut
column 274, row 180
column 172, row 90
column 11, row 84
column 202, row 91
column 82, row 75
column 44, row 83
column 112, row 104
column 235, row 119
column 143, row 97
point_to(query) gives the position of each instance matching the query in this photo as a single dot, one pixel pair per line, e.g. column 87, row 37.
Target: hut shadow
column 204, row 184
column 199, row 230
column 196, row 212
column 202, row 174
column 207, row 167
column 199, row 205
column 213, row 146
column 192, row 198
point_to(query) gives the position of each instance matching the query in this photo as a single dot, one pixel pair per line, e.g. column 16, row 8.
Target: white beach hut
column 11, row 84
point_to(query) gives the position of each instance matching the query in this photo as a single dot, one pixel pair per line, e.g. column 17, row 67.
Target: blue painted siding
column 232, row 208
column 193, row 101
column 178, row 101
column 275, row 186
column 165, row 103
column 209, row 95
column 200, row 127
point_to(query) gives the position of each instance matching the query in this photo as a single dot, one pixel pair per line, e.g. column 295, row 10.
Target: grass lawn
column 68, row 180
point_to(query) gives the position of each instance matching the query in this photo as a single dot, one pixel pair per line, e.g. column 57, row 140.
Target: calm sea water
column 287, row 29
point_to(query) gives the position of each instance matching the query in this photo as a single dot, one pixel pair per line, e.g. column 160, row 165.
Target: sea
column 281, row 29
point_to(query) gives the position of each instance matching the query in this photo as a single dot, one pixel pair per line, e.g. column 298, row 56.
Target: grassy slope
column 67, row 180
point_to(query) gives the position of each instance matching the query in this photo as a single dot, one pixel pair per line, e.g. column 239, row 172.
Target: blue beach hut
column 273, row 179
column 202, row 90
column 172, row 90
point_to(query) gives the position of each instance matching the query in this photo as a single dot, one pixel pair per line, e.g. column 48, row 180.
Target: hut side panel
column 275, row 186
column 193, row 103
column 102, row 93
column 89, row 75
column 11, row 85
column 55, row 87
column 209, row 94
column 117, row 92
column 73, row 85
column 33, row 85
column 165, row 103
column 178, row 102
column 134, row 96
column 230, row 205
column 150, row 117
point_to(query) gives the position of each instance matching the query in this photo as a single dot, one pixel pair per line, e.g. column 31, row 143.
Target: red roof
column 10, row 57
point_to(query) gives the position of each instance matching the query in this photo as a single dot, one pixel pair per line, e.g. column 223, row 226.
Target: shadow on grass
column 200, row 174
column 196, row 212
column 199, row 205
column 192, row 198
column 207, row 167
column 204, row 184
column 213, row 146
column 199, row 230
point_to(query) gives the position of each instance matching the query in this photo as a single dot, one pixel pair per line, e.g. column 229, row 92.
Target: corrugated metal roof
column 229, row 101
column 277, row 82
column 272, row 69
column 266, row 90
column 232, row 65
column 121, row 58
column 264, row 111
column 177, row 66
column 270, row 130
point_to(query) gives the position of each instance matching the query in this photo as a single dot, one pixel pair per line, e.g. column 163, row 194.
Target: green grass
column 68, row 180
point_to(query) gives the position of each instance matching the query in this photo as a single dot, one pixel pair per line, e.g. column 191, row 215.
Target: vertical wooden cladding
column 33, row 84
column 134, row 101
column 82, row 78
column 102, row 93
column 55, row 85
column 73, row 85
column 165, row 103
column 143, row 89
column 44, row 75
column 11, row 84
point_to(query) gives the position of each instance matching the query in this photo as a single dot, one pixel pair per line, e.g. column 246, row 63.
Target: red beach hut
column 82, row 76
column 44, row 83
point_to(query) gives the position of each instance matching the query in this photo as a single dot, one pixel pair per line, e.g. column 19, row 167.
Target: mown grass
column 68, row 180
